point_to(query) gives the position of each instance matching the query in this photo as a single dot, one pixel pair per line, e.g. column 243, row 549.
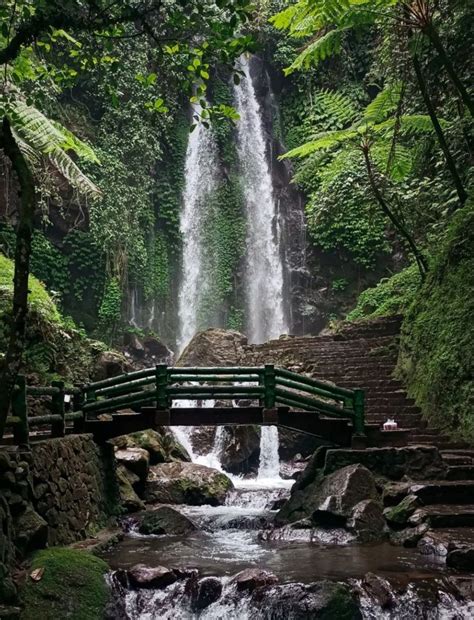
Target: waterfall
column 201, row 171
column 263, row 265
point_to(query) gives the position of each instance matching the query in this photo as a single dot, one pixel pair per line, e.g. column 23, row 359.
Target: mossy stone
column 72, row 586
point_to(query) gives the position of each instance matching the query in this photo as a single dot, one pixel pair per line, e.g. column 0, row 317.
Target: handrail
column 160, row 386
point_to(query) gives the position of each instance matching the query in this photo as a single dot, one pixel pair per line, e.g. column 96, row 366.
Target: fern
column 410, row 124
column 324, row 141
column 396, row 161
column 339, row 107
column 384, row 104
column 320, row 49
column 41, row 139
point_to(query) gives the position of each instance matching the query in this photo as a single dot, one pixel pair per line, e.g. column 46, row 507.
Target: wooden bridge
column 172, row 396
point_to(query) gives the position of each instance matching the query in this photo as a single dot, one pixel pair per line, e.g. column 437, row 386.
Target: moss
column 72, row 586
column 340, row 605
column 437, row 356
column 391, row 296
column 39, row 299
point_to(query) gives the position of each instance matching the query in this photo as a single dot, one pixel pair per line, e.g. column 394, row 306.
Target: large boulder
column 186, row 483
column 110, row 364
column 242, row 449
column 137, row 460
column 160, row 444
column 367, row 521
column 213, row 347
column 141, row 576
column 251, row 578
column 31, row 531
column 412, row 462
column 330, row 500
column 165, row 520
column 209, row 590
column 323, row 599
column 128, row 497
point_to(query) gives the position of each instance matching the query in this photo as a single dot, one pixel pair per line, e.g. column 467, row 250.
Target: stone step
column 431, row 492
column 461, row 452
column 442, row 443
column 444, row 515
column 456, row 459
column 460, row 472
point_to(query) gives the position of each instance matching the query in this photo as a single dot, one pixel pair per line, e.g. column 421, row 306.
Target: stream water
column 237, row 536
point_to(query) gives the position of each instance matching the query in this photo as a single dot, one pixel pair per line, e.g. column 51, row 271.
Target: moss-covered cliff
column 437, row 352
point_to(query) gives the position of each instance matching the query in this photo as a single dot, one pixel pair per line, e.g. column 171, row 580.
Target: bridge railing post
column 58, row 428
column 359, row 417
column 161, row 382
column 78, row 401
column 21, row 432
column 269, row 382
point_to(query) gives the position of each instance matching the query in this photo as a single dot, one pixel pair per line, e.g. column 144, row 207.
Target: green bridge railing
column 160, row 386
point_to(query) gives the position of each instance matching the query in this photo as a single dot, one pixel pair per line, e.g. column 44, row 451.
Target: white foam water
column 201, row 169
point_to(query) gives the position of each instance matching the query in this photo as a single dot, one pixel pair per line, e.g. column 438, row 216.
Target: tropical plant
column 374, row 134
column 325, row 23
column 46, row 142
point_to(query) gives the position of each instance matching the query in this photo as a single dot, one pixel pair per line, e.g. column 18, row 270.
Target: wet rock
column 461, row 559
column 414, row 462
column 214, row 347
column 242, row 449
column 209, row 590
column 292, row 442
column 187, row 483
column 441, row 541
column 252, row 578
column 141, row 576
column 31, row 531
column 160, row 445
column 410, row 536
column 367, row 521
column 129, row 499
column 110, row 364
column 397, row 516
column 329, row 500
column 137, row 460
column 378, row 589
column 323, row 599
column 165, row 520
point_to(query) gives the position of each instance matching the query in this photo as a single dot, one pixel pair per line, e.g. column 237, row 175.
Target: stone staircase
column 360, row 355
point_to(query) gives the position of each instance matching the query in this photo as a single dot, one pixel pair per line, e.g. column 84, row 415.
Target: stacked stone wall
column 57, row 493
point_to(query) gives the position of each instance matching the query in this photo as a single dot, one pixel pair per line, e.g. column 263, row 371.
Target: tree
column 61, row 39
column 371, row 134
column 327, row 21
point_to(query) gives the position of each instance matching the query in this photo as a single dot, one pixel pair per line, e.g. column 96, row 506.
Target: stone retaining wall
column 56, row 494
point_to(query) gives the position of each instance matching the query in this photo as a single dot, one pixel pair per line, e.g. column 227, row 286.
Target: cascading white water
column 201, row 171
column 263, row 266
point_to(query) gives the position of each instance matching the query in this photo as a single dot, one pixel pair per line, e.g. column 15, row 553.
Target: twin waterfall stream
column 265, row 315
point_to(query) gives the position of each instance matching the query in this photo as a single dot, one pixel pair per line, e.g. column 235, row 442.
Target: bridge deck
column 333, row 430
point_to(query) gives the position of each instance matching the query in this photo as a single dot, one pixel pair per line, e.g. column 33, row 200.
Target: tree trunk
column 420, row 260
column 13, row 358
column 434, row 37
column 462, row 194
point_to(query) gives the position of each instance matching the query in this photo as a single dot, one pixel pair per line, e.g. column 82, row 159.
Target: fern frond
column 398, row 160
column 324, row 141
column 39, row 137
column 383, row 105
column 327, row 45
column 410, row 124
column 338, row 106
column 342, row 162
column 73, row 174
